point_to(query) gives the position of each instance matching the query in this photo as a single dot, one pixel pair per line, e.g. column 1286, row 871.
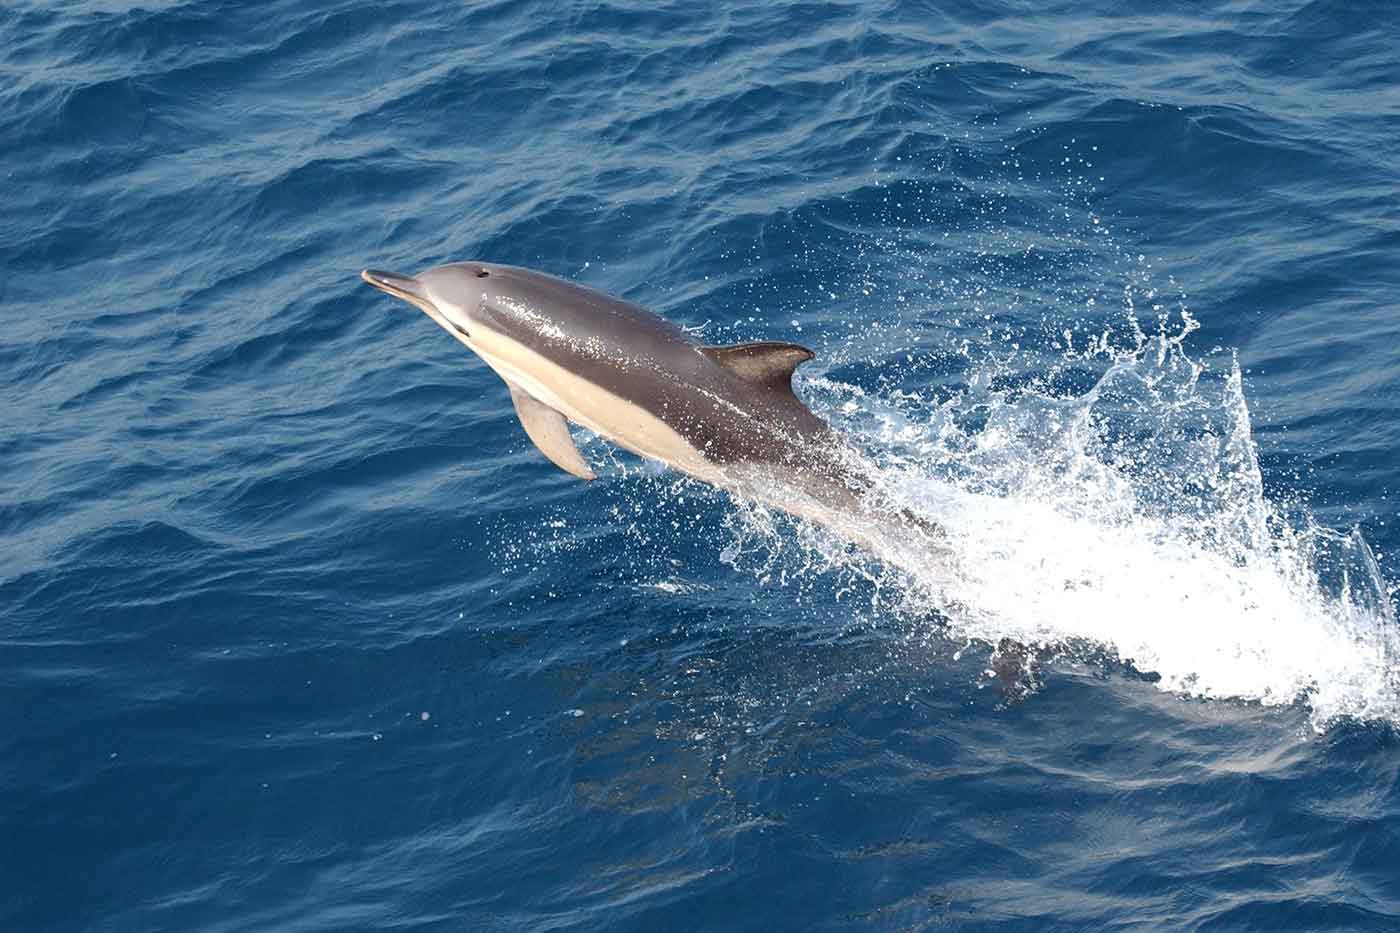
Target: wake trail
column 1133, row 516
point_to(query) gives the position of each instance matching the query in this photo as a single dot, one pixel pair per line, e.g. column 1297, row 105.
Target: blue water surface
column 299, row 632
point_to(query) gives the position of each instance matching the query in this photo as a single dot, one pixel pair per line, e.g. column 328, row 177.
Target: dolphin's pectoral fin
column 550, row 432
column 768, row 364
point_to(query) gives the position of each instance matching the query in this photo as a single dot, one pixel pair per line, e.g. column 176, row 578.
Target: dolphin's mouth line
column 410, row 290
column 400, row 286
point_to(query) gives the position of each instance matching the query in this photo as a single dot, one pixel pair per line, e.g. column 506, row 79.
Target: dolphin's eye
column 482, row 273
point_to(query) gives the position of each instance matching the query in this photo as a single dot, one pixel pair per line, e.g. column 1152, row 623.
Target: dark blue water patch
column 302, row 632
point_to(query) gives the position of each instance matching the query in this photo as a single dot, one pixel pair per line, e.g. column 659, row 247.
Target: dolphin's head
column 452, row 295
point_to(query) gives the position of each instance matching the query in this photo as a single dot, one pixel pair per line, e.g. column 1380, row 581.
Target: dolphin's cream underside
column 629, row 425
column 587, row 404
column 636, row 429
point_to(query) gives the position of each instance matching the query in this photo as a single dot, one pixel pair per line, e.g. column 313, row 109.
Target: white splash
column 1132, row 516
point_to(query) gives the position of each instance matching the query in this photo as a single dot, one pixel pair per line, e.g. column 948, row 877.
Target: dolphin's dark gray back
column 733, row 404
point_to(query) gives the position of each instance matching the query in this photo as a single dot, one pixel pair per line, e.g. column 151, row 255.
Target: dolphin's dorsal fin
column 769, row 363
column 550, row 432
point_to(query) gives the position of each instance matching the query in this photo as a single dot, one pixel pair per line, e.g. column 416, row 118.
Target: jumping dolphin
column 725, row 415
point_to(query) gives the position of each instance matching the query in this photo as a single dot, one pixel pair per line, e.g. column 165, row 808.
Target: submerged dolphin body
column 725, row 415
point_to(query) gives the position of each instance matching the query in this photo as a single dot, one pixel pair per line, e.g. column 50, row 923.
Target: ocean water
column 299, row 632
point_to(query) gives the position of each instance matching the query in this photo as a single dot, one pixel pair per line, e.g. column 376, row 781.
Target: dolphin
column 725, row 415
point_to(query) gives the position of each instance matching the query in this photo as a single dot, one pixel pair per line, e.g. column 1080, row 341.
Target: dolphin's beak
column 400, row 286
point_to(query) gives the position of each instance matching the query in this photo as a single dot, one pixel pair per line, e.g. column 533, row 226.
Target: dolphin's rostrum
column 725, row 415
